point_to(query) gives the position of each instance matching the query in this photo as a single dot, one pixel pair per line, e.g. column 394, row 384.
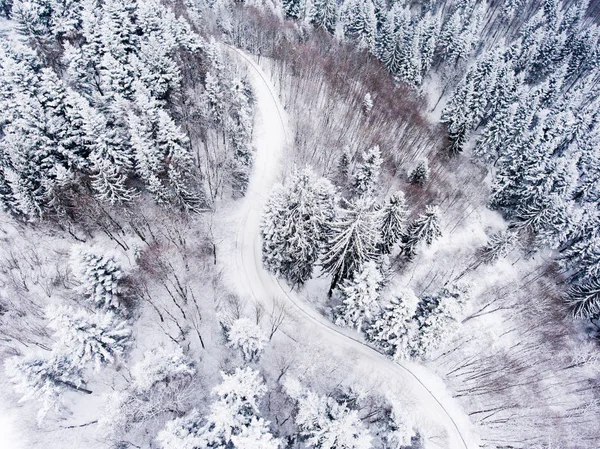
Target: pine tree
column 248, row 337
column 293, row 225
column 324, row 14
column 367, row 103
column 366, row 174
column 353, row 237
column 159, row 385
column 359, row 23
column 393, row 330
column 499, row 246
column 44, row 379
column 438, row 318
column 420, row 174
column 98, row 273
column 425, row 228
column 343, row 168
column 359, row 297
column 584, row 298
column 324, row 422
column 392, row 218
column 232, row 422
column 97, row 336
column 293, row 9
column 109, row 184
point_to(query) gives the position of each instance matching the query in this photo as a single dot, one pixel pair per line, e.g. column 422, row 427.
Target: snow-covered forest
column 330, row 224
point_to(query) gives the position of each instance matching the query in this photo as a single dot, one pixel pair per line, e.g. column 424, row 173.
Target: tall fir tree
column 353, row 237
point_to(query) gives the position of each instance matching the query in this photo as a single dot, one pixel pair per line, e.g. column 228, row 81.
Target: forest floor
column 425, row 391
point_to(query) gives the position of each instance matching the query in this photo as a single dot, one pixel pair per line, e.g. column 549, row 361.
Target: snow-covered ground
column 426, row 391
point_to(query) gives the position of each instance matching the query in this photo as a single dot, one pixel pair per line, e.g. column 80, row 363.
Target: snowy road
column 425, row 389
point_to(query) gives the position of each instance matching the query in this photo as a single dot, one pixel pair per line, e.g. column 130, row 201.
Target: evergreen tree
column 438, row 319
column 392, row 219
column 499, row 246
column 83, row 336
column 393, row 329
column 98, row 273
column 293, row 225
column 44, row 379
column 420, row 174
column 324, row 422
column 366, row 174
column 233, row 420
column 359, row 297
column 584, row 298
column 359, row 23
column 367, row 103
column 324, row 14
column 425, row 228
column 293, row 9
column 353, row 237
column 343, row 168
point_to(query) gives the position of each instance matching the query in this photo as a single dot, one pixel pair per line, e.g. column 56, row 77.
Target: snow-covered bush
column 248, row 337
column 161, row 366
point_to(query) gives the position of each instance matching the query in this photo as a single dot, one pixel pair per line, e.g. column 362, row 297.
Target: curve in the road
column 254, row 199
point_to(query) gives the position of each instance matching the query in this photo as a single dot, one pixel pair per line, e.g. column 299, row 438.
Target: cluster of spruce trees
column 347, row 234
column 107, row 99
column 525, row 99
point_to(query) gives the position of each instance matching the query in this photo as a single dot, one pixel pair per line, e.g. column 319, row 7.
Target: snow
column 11, row 438
column 425, row 390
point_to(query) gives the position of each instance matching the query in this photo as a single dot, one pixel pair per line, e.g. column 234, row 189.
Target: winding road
column 425, row 390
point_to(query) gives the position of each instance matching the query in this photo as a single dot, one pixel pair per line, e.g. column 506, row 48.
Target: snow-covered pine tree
column 499, row 245
column 392, row 218
column 439, row 318
column 160, row 384
column 233, row 420
column 353, row 237
column 420, row 173
column 425, row 228
column 366, row 174
column 293, row 9
column 359, row 23
column 367, row 104
column 293, row 225
column 86, row 336
column 359, row 297
column 162, row 156
column 394, row 37
column 45, row 379
column 324, row 14
column 393, row 329
column 343, row 168
column 109, row 183
column 247, row 336
column 98, row 273
column 324, row 422
column 584, row 298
